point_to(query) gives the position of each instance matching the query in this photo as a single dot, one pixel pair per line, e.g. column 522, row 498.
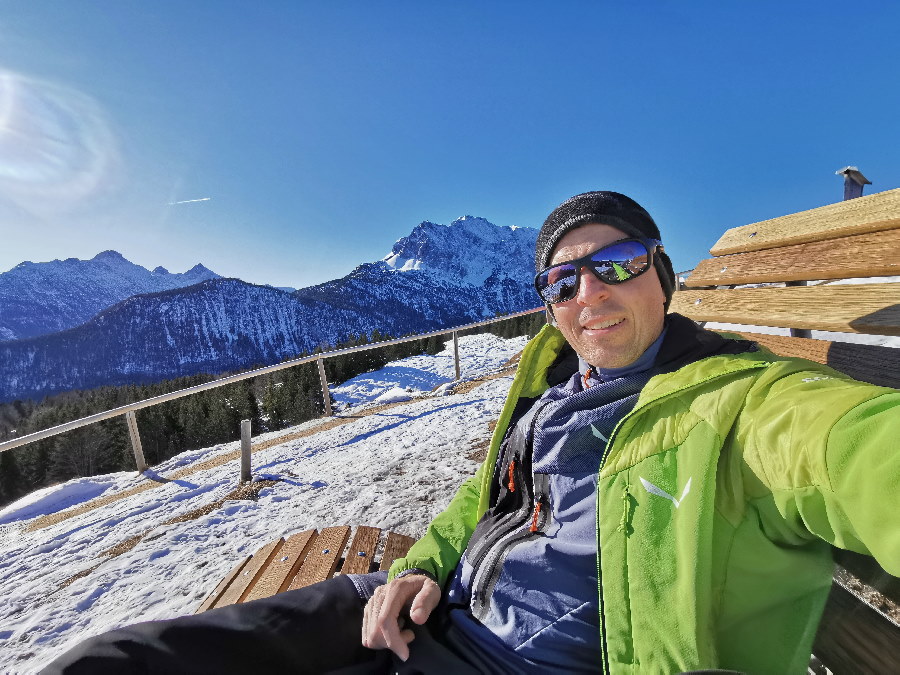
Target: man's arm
column 828, row 449
column 861, row 505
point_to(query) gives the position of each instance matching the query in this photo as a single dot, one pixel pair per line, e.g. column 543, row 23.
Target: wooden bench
column 792, row 263
column 306, row 558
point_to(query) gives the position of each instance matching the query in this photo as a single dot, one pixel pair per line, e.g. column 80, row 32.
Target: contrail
column 188, row 201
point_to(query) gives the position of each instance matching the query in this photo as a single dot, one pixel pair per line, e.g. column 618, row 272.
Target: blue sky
column 321, row 132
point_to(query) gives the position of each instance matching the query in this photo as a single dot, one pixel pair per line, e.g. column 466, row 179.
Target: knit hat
column 603, row 208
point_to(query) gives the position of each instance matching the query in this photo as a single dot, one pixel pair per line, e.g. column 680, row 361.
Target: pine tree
column 11, row 483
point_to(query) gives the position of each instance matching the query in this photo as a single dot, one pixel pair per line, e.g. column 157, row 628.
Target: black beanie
column 603, row 208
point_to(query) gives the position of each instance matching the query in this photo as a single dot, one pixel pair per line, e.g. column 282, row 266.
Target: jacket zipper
column 509, row 532
column 612, row 437
column 536, row 522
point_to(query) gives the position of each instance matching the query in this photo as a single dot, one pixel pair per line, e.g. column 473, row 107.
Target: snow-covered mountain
column 439, row 276
column 42, row 298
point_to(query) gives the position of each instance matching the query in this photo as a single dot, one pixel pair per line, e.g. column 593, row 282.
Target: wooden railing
column 129, row 409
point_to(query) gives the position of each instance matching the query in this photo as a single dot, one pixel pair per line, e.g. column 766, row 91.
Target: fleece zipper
column 488, row 555
column 535, row 524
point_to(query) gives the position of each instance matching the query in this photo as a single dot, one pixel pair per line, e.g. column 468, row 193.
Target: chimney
column 853, row 182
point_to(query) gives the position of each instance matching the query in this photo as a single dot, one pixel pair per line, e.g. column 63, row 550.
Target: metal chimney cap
column 852, row 172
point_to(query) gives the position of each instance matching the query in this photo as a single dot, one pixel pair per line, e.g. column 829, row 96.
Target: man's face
column 609, row 326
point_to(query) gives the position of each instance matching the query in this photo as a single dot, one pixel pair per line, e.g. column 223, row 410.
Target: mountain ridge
column 48, row 297
column 467, row 271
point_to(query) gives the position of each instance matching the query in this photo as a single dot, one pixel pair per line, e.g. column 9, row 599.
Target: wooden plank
column 854, row 638
column 211, row 599
column 361, row 553
column 865, row 308
column 283, row 566
column 867, row 363
column 395, row 547
column 873, row 213
column 864, row 255
column 322, row 560
column 248, row 576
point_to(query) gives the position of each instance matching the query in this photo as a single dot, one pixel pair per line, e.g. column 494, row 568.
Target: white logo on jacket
column 659, row 492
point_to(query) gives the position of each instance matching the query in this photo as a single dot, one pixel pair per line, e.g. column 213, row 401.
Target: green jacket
column 718, row 497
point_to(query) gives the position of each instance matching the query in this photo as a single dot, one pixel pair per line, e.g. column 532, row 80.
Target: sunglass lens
column 620, row 262
column 558, row 283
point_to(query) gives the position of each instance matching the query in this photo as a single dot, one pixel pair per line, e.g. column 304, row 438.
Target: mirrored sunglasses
column 613, row 264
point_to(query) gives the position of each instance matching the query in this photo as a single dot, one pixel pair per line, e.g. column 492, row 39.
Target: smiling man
column 656, row 498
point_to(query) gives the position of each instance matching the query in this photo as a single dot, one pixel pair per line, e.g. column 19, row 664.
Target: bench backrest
column 789, row 274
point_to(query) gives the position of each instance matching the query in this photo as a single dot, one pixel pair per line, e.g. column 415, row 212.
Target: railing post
column 135, row 434
column 326, row 397
column 245, row 451
column 456, row 353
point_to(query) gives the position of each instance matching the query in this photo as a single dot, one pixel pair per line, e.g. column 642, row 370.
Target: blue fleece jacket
column 543, row 606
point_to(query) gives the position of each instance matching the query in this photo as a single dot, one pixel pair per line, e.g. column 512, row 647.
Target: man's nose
column 591, row 289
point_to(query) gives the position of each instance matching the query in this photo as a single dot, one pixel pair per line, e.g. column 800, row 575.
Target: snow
column 420, row 375
column 395, row 468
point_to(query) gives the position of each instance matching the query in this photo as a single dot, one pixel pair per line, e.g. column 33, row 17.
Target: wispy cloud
column 188, row 201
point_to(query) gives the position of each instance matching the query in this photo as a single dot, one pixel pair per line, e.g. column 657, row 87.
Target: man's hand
column 414, row 593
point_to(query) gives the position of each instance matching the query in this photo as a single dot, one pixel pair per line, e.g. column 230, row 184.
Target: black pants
column 316, row 629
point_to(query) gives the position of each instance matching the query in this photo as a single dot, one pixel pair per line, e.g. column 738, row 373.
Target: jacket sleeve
column 862, row 456
column 832, row 461
column 440, row 550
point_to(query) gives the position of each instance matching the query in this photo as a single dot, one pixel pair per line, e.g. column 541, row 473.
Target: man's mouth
column 602, row 325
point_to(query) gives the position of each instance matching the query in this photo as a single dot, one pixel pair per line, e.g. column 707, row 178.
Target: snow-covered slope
column 41, row 298
column 394, row 469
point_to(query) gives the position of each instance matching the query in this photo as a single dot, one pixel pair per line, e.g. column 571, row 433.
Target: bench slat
column 322, row 560
column 868, row 363
column 854, row 638
column 283, row 566
column 395, row 547
column 873, row 213
column 361, row 553
column 866, row 308
column 249, row 574
column 213, row 597
column 865, row 255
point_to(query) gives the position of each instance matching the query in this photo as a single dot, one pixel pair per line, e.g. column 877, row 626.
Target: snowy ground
column 393, row 469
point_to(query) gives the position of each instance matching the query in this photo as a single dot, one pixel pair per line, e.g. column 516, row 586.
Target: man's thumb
column 424, row 603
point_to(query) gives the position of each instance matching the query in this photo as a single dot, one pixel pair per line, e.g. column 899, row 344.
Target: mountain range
column 41, row 298
column 438, row 276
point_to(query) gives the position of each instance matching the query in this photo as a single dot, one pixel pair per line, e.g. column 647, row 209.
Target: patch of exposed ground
column 506, row 369
column 463, row 387
column 79, row 575
column 478, row 452
column 249, row 491
column 245, row 491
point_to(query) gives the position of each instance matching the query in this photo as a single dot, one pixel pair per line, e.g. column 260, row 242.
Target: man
column 656, row 498
column 716, row 474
